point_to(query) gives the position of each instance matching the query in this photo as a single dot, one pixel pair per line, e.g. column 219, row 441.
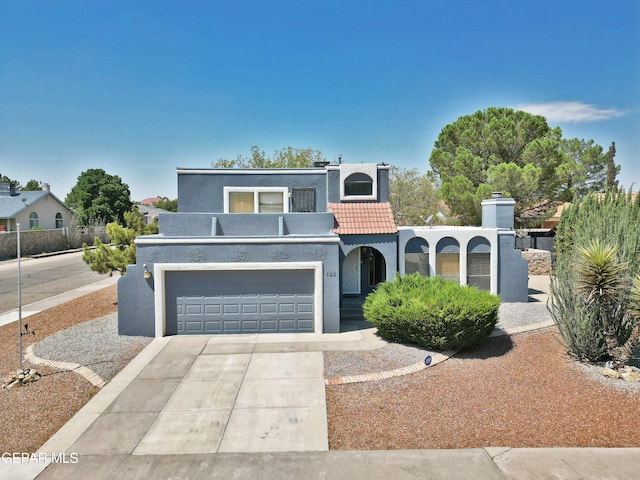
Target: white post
column 19, row 304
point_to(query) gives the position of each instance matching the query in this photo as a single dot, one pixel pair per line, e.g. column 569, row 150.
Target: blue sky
column 140, row 88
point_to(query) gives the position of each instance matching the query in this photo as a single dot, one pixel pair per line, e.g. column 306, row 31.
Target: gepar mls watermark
column 38, row 457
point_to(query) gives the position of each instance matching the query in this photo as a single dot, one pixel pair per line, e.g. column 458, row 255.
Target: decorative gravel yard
column 518, row 391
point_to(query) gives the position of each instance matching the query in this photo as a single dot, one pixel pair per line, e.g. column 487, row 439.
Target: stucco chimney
column 46, row 187
column 497, row 212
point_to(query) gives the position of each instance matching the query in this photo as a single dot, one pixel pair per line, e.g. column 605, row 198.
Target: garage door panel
column 305, row 325
column 287, row 308
column 268, row 308
column 240, row 301
column 249, row 308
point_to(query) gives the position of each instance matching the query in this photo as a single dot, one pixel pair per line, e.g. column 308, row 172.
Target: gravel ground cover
column 513, row 315
column 94, row 344
column 518, row 391
column 29, row 415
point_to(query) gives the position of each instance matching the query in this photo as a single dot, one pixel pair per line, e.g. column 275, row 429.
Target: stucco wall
column 35, row 242
column 514, row 278
column 463, row 235
column 136, row 310
column 244, row 224
column 46, row 209
column 203, row 190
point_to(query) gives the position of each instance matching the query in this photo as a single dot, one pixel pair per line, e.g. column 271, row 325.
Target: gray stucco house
column 291, row 250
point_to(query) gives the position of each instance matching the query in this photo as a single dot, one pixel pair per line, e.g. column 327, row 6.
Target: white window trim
column 256, row 191
column 369, row 169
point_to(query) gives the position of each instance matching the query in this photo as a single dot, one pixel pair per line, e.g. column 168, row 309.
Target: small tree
column 413, row 197
column 168, row 205
column 15, row 183
column 32, row 186
column 106, row 258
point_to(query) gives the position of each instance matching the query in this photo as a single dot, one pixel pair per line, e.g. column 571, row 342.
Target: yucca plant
column 601, row 279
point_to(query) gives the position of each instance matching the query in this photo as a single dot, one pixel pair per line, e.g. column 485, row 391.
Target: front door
column 373, row 269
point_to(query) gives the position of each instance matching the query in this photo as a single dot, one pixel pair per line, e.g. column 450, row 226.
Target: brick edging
column 398, row 372
column 91, row 376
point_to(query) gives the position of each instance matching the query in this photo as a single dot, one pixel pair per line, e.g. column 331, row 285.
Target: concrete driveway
column 212, row 394
column 203, row 395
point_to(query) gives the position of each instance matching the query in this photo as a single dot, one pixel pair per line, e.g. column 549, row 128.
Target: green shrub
column 432, row 312
column 613, row 220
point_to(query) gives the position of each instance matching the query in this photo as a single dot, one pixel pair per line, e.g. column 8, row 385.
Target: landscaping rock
column 631, row 377
column 21, row 377
column 608, row 372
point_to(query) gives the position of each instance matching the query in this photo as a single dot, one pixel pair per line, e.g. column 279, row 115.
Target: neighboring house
column 149, row 213
column 553, row 220
column 31, row 209
column 291, row 250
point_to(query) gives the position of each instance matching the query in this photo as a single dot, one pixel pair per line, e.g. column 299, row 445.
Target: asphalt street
column 43, row 278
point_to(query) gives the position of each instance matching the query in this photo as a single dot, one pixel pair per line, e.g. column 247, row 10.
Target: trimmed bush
column 432, row 312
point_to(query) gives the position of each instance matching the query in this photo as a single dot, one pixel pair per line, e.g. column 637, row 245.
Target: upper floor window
column 256, row 200
column 33, row 220
column 358, row 184
column 58, row 220
column 303, row 199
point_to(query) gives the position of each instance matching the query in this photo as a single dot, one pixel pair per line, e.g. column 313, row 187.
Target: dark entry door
column 373, row 269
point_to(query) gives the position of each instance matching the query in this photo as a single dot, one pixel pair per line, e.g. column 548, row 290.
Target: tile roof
column 150, row 202
column 362, row 218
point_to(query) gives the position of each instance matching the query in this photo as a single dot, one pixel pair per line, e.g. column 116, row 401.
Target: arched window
column 479, row 263
column 358, row 184
column 58, row 220
column 33, row 220
column 416, row 257
column 448, row 259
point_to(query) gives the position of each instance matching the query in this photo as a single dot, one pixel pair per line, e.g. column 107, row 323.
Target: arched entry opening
column 363, row 269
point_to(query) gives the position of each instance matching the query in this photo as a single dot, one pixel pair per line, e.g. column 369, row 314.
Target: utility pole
column 19, row 306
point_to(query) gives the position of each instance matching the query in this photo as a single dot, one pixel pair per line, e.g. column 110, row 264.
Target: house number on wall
column 331, row 274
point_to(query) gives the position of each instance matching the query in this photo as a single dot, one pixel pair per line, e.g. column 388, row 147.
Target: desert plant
column 580, row 326
column 432, row 312
column 632, row 344
column 601, row 279
column 610, row 219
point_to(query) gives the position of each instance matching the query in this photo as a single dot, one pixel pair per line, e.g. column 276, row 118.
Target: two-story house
column 288, row 250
